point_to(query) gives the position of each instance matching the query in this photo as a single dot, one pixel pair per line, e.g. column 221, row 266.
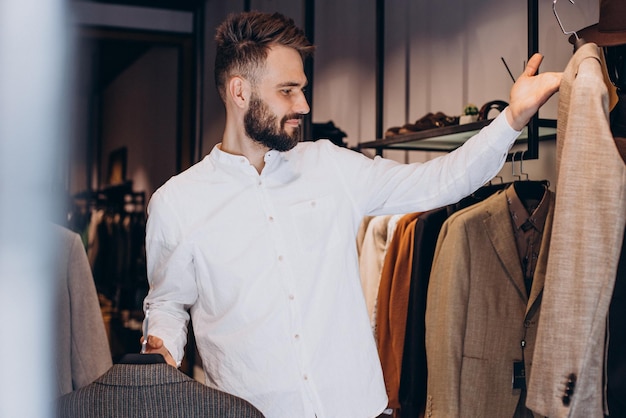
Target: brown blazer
column 590, row 213
column 393, row 303
column 478, row 312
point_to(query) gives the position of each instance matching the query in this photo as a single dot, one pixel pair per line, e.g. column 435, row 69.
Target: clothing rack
column 111, row 222
column 119, row 197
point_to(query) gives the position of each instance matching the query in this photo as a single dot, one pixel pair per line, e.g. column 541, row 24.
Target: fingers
column 154, row 342
column 554, row 80
column 155, row 346
column 533, row 65
column 547, row 84
column 531, row 91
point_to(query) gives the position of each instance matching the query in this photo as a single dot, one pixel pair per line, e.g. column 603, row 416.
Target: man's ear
column 239, row 91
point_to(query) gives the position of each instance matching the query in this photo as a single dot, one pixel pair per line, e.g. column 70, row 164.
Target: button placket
column 276, row 228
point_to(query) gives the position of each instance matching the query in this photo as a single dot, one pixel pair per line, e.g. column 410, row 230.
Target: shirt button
column 305, row 377
column 260, row 183
column 271, row 218
column 297, row 336
column 291, row 297
column 280, row 258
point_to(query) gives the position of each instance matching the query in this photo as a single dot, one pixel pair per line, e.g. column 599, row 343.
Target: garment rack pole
column 532, row 152
column 380, row 65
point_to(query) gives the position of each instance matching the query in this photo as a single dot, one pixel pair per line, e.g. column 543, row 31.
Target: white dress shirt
column 267, row 264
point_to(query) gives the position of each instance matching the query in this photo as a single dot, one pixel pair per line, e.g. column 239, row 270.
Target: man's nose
column 301, row 106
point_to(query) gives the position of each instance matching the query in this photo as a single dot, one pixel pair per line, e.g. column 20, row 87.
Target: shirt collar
column 271, row 158
column 276, row 164
column 520, row 215
column 226, row 158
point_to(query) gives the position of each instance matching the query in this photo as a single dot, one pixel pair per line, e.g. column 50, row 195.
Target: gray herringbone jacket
column 151, row 391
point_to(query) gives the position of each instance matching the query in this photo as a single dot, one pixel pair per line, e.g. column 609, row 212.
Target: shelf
column 444, row 139
column 449, row 138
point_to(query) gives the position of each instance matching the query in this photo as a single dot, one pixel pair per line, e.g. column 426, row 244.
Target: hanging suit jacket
column 393, row 303
column 590, row 212
column 376, row 237
column 478, row 312
column 82, row 348
column 151, row 390
column 412, row 390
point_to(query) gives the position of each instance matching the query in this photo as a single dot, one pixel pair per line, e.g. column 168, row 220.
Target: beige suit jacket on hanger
column 478, row 312
column 590, row 211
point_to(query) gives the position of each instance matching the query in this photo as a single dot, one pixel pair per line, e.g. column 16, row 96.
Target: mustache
column 291, row 116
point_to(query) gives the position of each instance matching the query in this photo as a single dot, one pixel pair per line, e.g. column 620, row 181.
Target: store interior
column 146, row 107
column 143, row 107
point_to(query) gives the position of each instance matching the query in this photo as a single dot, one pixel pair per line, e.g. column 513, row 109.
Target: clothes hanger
column 521, row 167
column 498, row 183
column 530, row 192
column 579, row 41
column 516, row 177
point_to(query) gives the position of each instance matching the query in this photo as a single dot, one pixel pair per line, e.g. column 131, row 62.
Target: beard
column 261, row 125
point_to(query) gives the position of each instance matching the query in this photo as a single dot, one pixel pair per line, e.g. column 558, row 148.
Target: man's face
column 264, row 127
column 277, row 102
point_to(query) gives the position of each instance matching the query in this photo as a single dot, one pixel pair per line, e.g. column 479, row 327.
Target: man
column 258, row 239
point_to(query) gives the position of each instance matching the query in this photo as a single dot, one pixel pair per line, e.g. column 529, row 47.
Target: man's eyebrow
column 291, row 84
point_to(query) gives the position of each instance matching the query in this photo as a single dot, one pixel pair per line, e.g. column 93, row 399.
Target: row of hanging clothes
column 111, row 222
column 510, row 303
column 580, row 353
column 401, row 269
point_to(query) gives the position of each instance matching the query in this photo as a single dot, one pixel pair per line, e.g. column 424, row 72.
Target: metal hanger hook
column 559, row 20
column 513, row 174
column 521, row 166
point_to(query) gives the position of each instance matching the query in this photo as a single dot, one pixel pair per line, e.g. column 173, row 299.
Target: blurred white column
column 34, row 45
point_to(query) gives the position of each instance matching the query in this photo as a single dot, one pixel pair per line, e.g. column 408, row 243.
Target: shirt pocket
column 315, row 223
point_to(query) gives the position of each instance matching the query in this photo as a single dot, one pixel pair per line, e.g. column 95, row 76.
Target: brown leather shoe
column 423, row 123
column 393, row 131
column 428, row 121
column 441, row 119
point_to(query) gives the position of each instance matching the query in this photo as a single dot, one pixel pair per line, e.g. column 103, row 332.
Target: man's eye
column 286, row 92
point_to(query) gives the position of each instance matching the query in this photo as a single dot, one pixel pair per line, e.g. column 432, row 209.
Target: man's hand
column 530, row 92
column 155, row 346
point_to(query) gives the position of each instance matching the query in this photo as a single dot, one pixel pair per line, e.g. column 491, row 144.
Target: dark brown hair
column 243, row 41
